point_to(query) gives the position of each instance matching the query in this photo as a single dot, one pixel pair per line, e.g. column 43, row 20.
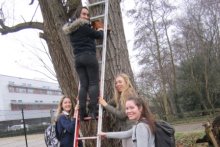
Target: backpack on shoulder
column 164, row 134
column 51, row 136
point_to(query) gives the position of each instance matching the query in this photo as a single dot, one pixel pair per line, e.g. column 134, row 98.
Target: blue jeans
column 88, row 71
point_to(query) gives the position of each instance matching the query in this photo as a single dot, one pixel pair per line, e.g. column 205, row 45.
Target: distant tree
column 172, row 49
column 200, row 54
column 152, row 20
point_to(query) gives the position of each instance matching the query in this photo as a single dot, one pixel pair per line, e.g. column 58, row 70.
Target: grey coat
column 122, row 122
column 141, row 135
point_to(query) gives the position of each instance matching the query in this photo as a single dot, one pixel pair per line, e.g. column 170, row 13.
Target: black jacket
column 65, row 123
column 66, row 128
column 82, row 36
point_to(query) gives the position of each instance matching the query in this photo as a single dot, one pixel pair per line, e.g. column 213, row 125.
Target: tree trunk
column 117, row 59
column 175, row 105
column 59, row 46
column 55, row 14
column 159, row 60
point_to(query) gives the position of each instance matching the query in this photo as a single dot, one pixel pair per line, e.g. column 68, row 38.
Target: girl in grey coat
column 142, row 133
column 122, row 90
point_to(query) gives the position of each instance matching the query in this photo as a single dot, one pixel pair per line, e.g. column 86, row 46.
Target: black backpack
column 164, row 134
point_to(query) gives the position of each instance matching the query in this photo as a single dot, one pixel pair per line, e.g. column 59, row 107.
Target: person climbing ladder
column 82, row 37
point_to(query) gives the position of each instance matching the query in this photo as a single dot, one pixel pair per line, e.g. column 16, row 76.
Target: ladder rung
column 95, row 4
column 84, row 138
column 97, row 17
column 99, row 46
column 89, row 118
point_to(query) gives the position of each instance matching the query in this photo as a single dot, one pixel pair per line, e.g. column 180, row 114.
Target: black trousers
column 88, row 71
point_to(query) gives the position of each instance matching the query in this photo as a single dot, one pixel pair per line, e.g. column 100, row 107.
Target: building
column 33, row 96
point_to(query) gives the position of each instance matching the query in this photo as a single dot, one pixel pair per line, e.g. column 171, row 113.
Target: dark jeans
column 88, row 71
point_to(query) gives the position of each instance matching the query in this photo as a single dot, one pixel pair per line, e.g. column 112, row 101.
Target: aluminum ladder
column 102, row 79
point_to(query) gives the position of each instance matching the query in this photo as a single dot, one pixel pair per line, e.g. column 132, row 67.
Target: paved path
column 36, row 140
column 192, row 127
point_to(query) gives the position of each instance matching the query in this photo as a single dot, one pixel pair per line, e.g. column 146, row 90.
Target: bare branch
column 46, row 51
column 2, row 14
column 34, row 12
column 27, row 25
column 32, row 1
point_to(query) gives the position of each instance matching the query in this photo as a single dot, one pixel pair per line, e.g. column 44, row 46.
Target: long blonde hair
column 60, row 109
column 127, row 92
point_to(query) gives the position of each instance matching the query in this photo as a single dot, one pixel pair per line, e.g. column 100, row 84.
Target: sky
column 19, row 51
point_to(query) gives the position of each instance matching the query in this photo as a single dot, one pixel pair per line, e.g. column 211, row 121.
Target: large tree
column 55, row 13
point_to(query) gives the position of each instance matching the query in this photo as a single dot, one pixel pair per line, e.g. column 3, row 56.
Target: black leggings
column 88, row 71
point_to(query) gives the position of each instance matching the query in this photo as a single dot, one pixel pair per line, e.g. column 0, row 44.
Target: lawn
column 189, row 139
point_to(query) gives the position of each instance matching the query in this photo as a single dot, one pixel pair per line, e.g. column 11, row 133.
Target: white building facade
column 33, row 96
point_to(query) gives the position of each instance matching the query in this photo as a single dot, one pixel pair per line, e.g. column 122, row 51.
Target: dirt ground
column 37, row 140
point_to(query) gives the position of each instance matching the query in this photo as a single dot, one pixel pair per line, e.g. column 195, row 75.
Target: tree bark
column 59, row 46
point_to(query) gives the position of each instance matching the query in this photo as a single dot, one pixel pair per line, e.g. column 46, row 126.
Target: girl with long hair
column 122, row 90
column 142, row 133
column 65, row 122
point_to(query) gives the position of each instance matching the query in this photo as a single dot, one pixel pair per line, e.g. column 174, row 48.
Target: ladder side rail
column 76, row 133
column 98, row 144
column 77, row 124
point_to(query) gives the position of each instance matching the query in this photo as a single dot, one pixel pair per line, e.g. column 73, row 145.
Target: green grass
column 188, row 139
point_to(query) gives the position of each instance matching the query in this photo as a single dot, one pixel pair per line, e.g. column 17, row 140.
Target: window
column 11, row 89
column 22, row 90
column 13, row 101
column 49, row 92
column 19, row 101
column 30, row 90
column 11, row 83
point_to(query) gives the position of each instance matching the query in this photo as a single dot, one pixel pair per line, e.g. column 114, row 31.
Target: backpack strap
column 135, row 131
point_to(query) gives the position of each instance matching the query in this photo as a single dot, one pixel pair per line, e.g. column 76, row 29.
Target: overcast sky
column 17, row 49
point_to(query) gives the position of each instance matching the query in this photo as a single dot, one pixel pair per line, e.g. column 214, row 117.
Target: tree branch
column 21, row 26
column 32, row 1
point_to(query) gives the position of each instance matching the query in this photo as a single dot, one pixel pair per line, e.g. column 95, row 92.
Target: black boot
column 82, row 113
column 93, row 111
